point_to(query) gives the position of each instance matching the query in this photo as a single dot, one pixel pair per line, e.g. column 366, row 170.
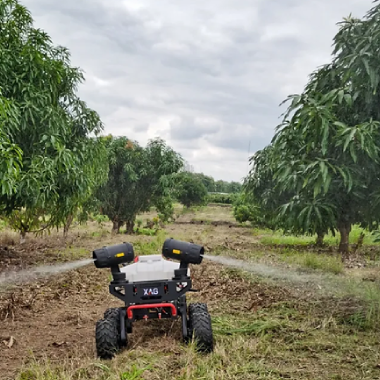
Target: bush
column 245, row 209
column 228, row 199
column 191, row 191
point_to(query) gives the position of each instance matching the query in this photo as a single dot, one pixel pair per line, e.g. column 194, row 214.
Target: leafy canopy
column 191, row 191
column 138, row 178
column 323, row 168
column 48, row 161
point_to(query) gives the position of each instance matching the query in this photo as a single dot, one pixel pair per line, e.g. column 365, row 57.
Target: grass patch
column 70, row 370
column 279, row 239
column 366, row 315
column 325, row 263
column 73, row 253
column 152, row 246
column 232, row 326
column 268, row 237
column 328, row 263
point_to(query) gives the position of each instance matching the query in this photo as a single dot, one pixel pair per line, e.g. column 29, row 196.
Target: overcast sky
column 207, row 76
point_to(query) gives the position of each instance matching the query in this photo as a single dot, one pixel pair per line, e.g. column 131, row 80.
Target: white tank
column 150, row 268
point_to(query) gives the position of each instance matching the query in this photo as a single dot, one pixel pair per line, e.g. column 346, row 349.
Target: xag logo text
column 151, row 291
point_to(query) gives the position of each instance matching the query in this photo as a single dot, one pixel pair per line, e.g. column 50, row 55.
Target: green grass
column 324, row 262
column 73, row 253
column 367, row 311
column 268, row 237
column 278, row 239
column 228, row 325
column 3, row 224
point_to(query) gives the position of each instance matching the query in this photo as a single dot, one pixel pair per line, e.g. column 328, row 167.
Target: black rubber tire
column 194, row 308
column 111, row 311
column 200, row 327
column 114, row 314
column 198, row 307
column 107, row 338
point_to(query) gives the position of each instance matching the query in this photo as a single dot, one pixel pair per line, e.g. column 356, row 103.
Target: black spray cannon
column 184, row 252
column 111, row 257
column 187, row 253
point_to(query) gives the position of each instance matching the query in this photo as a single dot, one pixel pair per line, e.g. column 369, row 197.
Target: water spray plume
column 28, row 275
column 267, row 271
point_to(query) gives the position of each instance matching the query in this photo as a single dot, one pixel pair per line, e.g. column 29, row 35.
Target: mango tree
column 10, row 153
column 138, row 179
column 190, row 190
column 326, row 151
column 77, row 188
column 49, row 124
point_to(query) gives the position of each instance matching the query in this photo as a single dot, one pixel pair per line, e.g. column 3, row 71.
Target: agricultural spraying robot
column 151, row 286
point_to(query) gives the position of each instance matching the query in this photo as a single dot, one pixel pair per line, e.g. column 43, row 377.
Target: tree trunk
column 344, row 230
column 129, row 227
column 360, row 242
column 67, row 225
column 22, row 236
column 319, row 241
column 116, row 224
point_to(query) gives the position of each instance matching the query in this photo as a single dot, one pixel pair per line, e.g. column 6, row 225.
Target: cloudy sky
column 207, row 76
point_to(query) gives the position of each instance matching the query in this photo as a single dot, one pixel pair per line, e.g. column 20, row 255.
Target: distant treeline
column 218, row 186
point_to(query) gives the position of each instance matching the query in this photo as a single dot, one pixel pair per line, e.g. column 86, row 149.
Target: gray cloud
column 206, row 76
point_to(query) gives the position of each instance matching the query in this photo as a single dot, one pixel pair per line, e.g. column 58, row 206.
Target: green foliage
column 243, row 210
column 219, row 186
column 227, row 187
column 208, row 181
column 49, row 165
column 10, row 154
column 321, row 171
column 146, row 231
column 101, row 219
column 190, row 190
column 222, row 198
column 164, row 206
column 138, row 179
column 246, row 209
column 3, row 224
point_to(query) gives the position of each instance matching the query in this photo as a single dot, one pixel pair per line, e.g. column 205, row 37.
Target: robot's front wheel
column 107, row 338
column 200, row 327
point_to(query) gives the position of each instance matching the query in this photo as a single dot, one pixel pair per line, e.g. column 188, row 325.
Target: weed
column 134, row 373
column 325, row 263
column 3, row 224
column 257, row 327
column 146, row 231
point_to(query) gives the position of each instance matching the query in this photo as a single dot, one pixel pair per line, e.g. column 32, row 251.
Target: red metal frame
column 151, row 306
